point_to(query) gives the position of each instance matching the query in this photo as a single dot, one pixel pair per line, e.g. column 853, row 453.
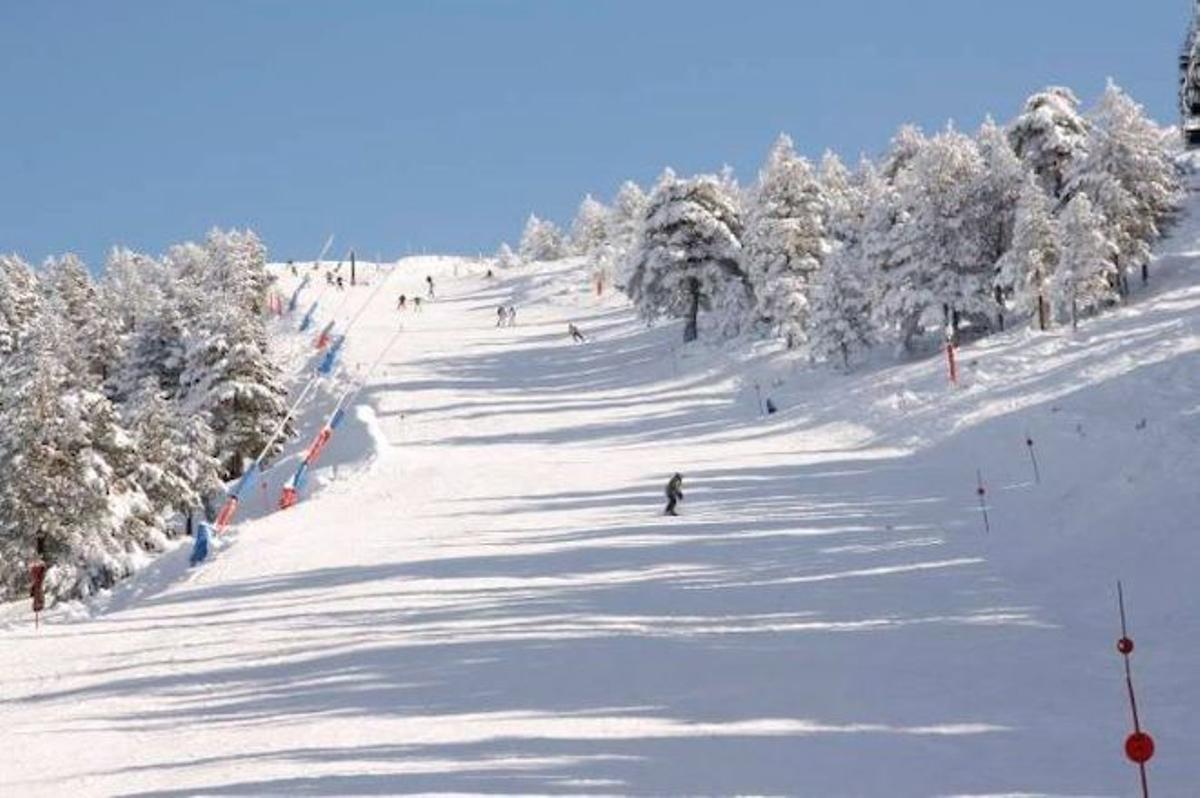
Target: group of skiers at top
column 402, row 300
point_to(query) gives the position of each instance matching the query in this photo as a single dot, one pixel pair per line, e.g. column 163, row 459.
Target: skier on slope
column 501, row 316
column 575, row 334
column 429, row 280
column 512, row 316
column 402, row 303
column 674, row 493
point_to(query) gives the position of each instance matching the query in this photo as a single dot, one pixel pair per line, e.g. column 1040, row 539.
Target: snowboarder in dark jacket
column 674, row 493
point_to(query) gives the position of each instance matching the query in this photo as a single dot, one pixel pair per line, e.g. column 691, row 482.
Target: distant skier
column 489, row 274
column 402, row 303
column 328, row 278
column 416, row 304
column 674, row 493
column 512, row 316
column 771, row 408
column 341, row 286
column 429, row 280
column 501, row 316
column 576, row 336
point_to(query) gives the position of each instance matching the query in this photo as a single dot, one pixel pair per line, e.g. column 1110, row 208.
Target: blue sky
column 438, row 126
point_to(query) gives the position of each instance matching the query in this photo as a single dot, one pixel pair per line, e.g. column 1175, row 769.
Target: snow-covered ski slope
column 480, row 594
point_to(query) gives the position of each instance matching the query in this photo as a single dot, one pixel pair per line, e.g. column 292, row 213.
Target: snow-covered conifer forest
column 1047, row 219
column 125, row 401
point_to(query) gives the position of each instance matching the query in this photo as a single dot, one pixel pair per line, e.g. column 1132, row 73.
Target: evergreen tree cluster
column 1046, row 220
column 125, row 401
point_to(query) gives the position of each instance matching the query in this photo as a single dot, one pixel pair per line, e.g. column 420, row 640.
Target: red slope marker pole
column 981, row 491
column 1139, row 746
column 37, row 591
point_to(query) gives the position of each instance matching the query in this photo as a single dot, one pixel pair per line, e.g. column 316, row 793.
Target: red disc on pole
column 1139, row 747
column 1125, row 646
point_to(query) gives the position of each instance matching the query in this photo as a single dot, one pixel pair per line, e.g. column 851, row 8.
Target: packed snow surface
column 479, row 593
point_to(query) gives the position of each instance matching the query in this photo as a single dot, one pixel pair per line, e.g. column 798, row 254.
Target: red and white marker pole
column 1139, row 746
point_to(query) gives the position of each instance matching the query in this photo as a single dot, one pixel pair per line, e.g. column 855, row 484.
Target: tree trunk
column 1041, row 311
column 999, row 293
column 1145, row 273
column 908, row 330
column 691, row 329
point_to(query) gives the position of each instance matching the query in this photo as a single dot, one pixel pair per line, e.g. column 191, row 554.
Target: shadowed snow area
column 478, row 594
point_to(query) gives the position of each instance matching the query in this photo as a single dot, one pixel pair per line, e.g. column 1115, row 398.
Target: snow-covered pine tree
column 1050, row 137
column 236, row 267
column 67, row 279
column 231, row 378
column 908, row 141
column 877, row 235
column 1003, row 180
column 625, row 219
column 999, row 191
column 840, row 321
column 839, row 318
column 177, row 467
column 132, row 287
column 885, row 255
column 20, row 302
column 64, row 491
column 187, row 272
column 541, row 240
column 157, row 349
column 688, row 256
column 784, row 240
column 1085, row 279
column 589, row 231
column 133, row 514
column 943, row 264
column 96, row 330
column 1027, row 268
column 505, row 257
column 1130, row 177
column 842, row 198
